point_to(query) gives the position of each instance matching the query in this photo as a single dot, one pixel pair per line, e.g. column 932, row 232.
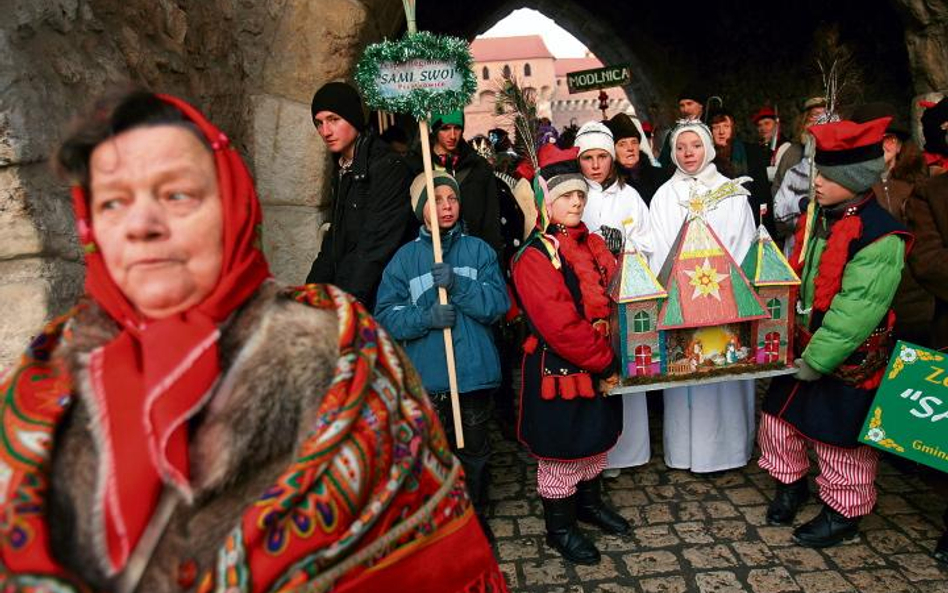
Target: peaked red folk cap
column 846, row 142
column 763, row 113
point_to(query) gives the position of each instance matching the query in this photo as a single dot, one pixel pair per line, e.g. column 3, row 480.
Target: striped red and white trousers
column 847, row 476
column 558, row 479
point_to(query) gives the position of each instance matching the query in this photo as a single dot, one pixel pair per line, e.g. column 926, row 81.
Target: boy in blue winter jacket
column 408, row 307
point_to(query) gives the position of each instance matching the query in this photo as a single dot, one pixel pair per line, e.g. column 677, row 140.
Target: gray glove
column 443, row 275
column 441, row 316
column 613, row 238
column 805, row 372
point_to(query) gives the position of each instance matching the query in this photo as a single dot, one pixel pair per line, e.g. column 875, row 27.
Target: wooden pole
column 442, row 293
column 436, row 247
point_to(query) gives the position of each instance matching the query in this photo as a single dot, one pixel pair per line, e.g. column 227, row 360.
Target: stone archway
column 253, row 66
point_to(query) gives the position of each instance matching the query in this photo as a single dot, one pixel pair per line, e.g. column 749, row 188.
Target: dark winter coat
column 752, row 160
column 645, row 178
column 511, row 220
column 914, row 306
column 371, row 218
column 479, row 296
column 480, row 209
column 566, row 345
column 928, row 219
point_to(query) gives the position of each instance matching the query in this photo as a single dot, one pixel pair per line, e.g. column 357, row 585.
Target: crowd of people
column 603, row 193
column 235, row 385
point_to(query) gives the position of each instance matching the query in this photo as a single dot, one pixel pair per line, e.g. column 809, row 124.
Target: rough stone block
column 824, row 581
column 549, row 572
column 670, row 584
column 702, row 557
column 290, row 159
column 719, row 582
column 753, row 553
column 649, row 563
column 771, row 580
column 880, row 581
column 308, row 32
column 801, row 559
column 32, row 291
column 290, row 240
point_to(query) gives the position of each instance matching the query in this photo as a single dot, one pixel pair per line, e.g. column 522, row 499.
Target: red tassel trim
column 548, row 387
column 584, row 385
column 568, row 387
column 829, row 279
column 530, row 344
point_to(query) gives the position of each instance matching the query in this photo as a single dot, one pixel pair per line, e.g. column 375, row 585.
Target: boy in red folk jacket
column 560, row 277
column 849, row 258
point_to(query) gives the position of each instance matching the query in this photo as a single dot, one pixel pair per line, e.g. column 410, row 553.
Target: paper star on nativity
column 699, row 203
column 706, row 280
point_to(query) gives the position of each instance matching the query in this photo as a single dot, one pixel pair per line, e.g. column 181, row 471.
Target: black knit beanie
column 341, row 99
column 621, row 126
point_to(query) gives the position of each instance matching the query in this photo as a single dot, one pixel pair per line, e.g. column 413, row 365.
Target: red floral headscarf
column 157, row 374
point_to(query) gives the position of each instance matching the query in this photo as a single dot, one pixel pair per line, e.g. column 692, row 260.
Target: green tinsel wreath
column 417, row 46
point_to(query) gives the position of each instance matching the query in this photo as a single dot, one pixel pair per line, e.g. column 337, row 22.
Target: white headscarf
column 707, row 172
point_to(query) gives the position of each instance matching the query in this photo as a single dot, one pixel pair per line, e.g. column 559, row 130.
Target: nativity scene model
column 703, row 318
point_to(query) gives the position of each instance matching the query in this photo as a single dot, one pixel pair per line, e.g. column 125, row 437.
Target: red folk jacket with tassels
column 562, row 416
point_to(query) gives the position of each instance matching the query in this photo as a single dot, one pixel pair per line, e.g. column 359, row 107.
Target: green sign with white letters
column 909, row 416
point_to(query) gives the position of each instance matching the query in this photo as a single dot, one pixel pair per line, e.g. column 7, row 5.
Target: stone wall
column 252, row 66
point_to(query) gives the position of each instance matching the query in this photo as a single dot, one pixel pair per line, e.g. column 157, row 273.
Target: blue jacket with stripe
column 479, row 296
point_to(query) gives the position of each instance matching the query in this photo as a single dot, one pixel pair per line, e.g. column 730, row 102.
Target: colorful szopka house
column 703, row 315
column 776, row 283
column 639, row 295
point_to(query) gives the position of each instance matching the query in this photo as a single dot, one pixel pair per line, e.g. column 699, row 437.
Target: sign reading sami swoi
column 599, row 78
column 909, row 416
column 418, row 74
column 401, row 79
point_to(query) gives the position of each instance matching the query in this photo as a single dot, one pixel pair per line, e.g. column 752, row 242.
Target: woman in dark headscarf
column 193, row 425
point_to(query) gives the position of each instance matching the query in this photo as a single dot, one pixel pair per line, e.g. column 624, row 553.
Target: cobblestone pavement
column 708, row 534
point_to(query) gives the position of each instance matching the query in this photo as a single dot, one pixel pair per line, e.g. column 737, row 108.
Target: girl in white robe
column 613, row 204
column 707, row 428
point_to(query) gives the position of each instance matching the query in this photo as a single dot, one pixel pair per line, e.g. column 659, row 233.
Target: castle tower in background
column 528, row 59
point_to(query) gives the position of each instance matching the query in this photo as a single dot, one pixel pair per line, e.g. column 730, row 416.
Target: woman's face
column 596, row 164
column 891, row 146
column 722, row 131
column 157, row 217
column 689, row 151
column 627, row 151
column 567, row 209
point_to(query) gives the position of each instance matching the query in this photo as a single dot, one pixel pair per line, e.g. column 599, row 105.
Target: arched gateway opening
column 253, row 68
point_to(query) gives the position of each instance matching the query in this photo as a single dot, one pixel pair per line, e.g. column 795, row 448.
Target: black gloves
column 443, row 275
column 441, row 316
column 613, row 238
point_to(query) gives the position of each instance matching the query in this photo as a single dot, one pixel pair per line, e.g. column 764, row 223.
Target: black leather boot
column 826, row 529
column 590, row 508
column 562, row 534
column 787, row 501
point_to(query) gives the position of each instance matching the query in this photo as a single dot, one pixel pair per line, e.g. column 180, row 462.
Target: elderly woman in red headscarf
column 195, row 426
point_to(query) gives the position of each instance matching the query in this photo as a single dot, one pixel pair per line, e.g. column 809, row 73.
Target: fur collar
column 278, row 357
